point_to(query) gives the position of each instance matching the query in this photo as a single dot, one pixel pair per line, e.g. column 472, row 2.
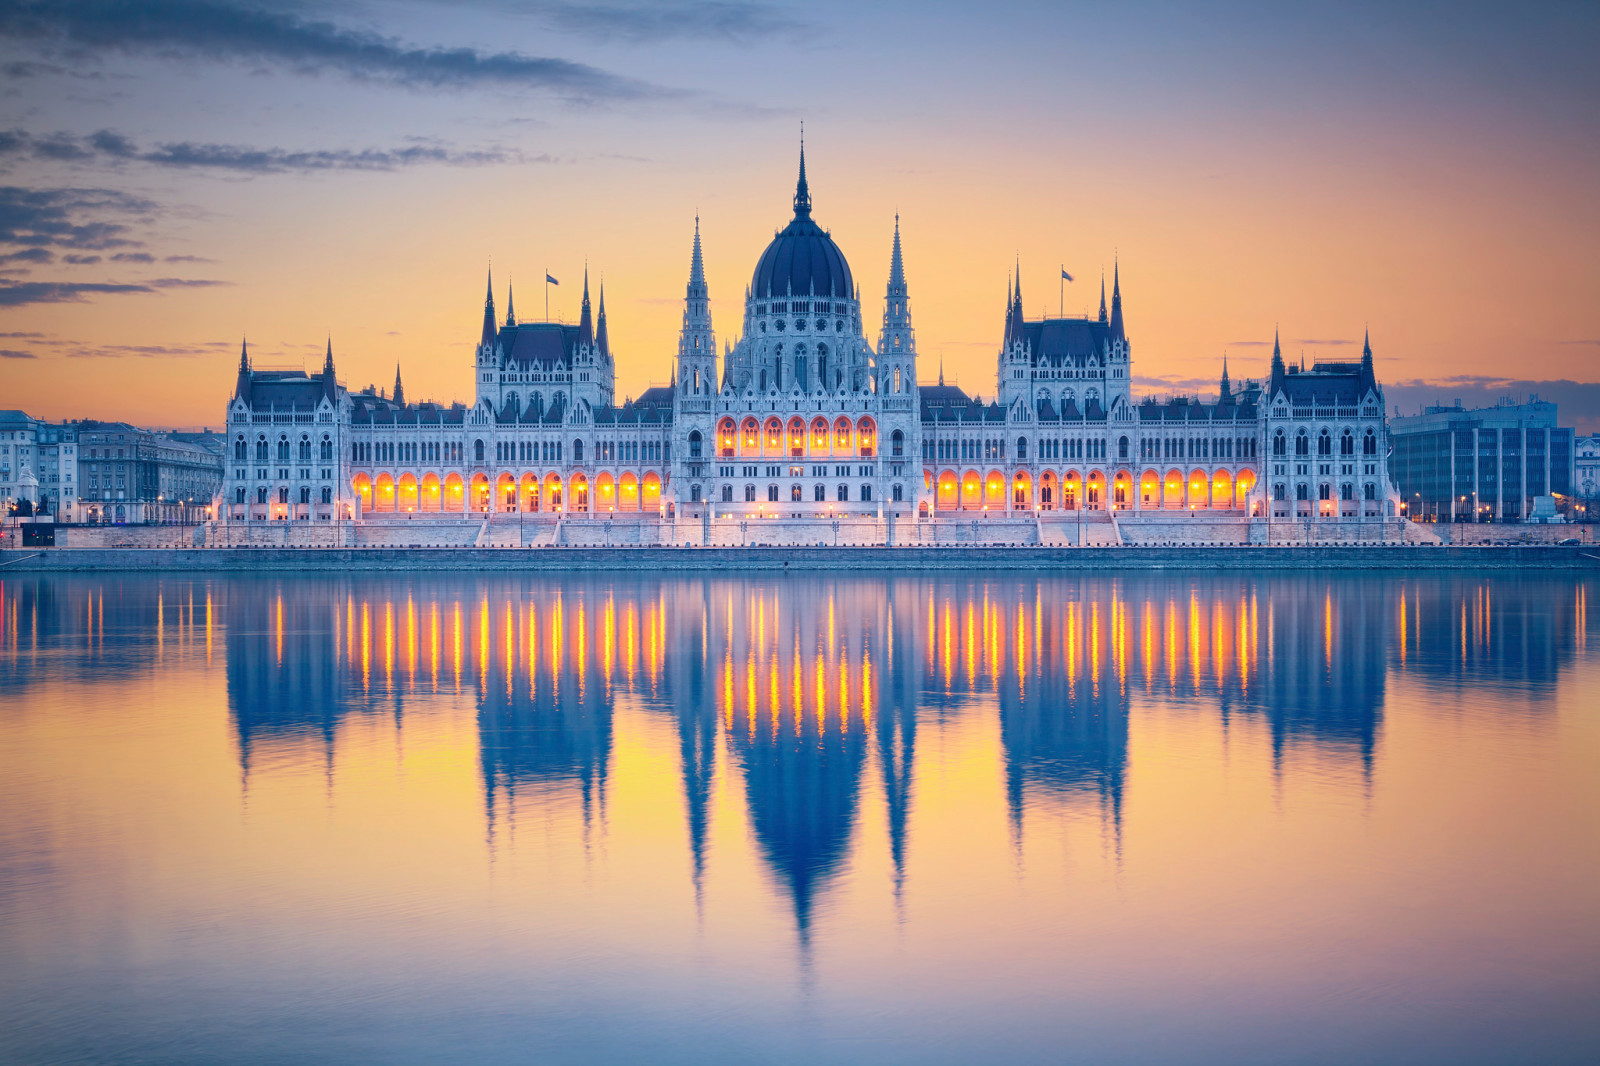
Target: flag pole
column 1062, row 286
column 547, row 294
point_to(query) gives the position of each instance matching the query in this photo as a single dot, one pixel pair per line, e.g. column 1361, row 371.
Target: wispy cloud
column 69, row 218
column 13, row 353
column 285, row 38
column 110, row 147
column 147, row 351
column 22, row 293
column 651, row 23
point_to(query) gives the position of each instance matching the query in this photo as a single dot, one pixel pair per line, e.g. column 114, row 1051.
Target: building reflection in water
column 811, row 693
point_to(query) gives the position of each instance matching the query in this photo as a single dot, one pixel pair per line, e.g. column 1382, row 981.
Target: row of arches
column 530, row 493
column 973, row 490
column 302, row 450
column 796, row 438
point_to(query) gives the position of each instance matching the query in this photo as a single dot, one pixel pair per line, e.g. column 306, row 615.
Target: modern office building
column 1455, row 464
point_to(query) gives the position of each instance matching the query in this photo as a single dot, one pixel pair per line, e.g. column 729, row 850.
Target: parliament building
column 802, row 431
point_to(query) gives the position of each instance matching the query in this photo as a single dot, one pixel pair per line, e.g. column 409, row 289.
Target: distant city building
column 1586, row 472
column 19, row 460
column 1455, row 464
column 128, row 474
column 803, row 431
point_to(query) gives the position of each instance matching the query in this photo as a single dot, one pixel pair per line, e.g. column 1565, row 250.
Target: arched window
column 477, row 451
column 1022, row 449
column 749, row 494
column 327, row 449
column 1347, row 443
column 1369, row 444
column 1302, row 443
column 1280, row 444
column 844, row 493
column 1122, row 448
column 305, row 449
column 577, row 451
column 897, row 442
column 283, row 449
column 239, row 450
column 694, row 444
column 1324, row 443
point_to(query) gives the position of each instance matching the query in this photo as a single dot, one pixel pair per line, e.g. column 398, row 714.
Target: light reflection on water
column 1210, row 817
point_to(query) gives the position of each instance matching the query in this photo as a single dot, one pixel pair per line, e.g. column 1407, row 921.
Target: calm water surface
column 1209, row 818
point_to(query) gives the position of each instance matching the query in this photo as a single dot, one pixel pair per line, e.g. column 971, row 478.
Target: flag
column 1065, row 275
column 548, row 280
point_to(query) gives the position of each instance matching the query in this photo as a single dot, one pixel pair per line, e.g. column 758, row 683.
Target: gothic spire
column 511, row 305
column 585, row 320
column 487, row 340
column 327, row 360
column 1366, row 360
column 241, row 388
column 1116, row 300
column 1102, row 296
column 600, row 339
column 399, row 389
column 1227, row 389
column 697, row 266
column 802, row 191
column 897, row 267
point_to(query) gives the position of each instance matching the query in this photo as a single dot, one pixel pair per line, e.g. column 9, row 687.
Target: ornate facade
column 803, row 431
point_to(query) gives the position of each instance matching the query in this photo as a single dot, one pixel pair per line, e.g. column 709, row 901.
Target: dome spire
column 802, row 191
column 511, row 304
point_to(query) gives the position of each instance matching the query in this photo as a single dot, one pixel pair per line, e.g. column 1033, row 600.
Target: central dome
column 802, row 259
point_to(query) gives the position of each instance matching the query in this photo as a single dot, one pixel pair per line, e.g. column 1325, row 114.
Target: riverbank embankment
column 798, row 559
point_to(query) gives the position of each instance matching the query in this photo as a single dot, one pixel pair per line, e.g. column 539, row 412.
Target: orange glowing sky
column 345, row 172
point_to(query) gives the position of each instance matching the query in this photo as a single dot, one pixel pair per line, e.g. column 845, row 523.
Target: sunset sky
column 179, row 174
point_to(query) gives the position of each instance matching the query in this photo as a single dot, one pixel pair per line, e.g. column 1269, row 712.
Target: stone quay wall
column 777, row 560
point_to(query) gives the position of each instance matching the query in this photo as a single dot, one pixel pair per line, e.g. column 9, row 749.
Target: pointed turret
column 1102, row 296
column 585, row 319
column 1116, row 301
column 897, row 344
column 511, row 305
column 1367, row 375
column 487, row 340
column 1006, row 337
column 697, row 344
column 1278, row 369
column 241, row 387
column 600, row 340
column 1226, row 395
column 1016, row 302
column 399, row 389
column 330, row 384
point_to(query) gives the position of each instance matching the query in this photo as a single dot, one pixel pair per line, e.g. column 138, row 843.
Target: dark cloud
column 1321, row 341
column 80, row 260
column 108, row 146
column 133, row 257
column 21, row 293
column 29, row 255
column 211, row 30
column 12, row 353
column 186, row 259
column 21, row 336
column 1250, row 344
column 1577, row 402
column 69, row 218
column 648, row 23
